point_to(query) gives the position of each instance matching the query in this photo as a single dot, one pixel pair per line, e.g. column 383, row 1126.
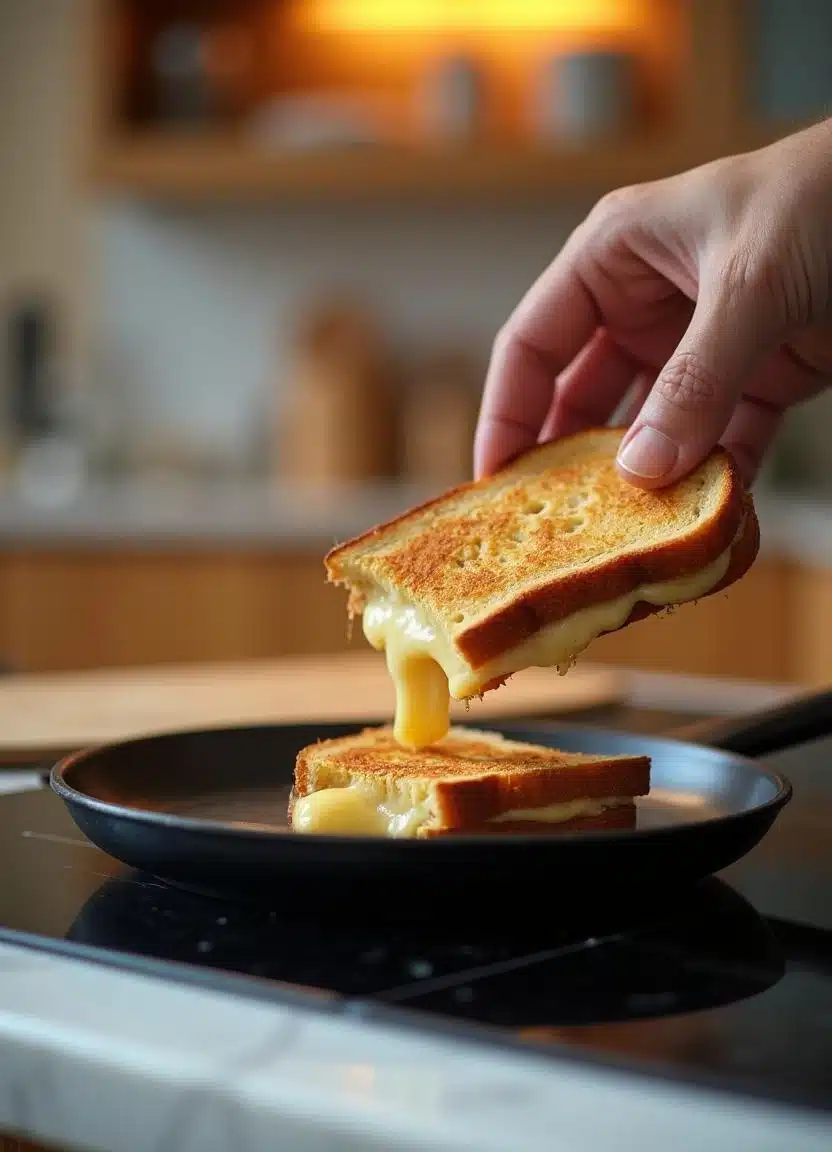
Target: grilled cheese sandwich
column 529, row 567
column 427, row 669
column 468, row 783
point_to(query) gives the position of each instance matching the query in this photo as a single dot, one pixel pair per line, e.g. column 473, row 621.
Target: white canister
column 452, row 99
column 585, row 96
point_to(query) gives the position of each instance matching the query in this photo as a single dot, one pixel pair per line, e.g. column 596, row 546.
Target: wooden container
column 336, row 425
column 439, row 416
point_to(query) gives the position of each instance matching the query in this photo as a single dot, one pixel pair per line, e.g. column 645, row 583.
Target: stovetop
column 729, row 983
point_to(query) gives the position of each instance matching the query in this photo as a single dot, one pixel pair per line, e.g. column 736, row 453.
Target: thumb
column 689, row 406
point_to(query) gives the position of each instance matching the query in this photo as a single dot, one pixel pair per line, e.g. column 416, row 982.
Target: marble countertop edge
column 102, row 1058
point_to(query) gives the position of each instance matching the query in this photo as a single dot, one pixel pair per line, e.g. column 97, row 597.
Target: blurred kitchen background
column 253, row 254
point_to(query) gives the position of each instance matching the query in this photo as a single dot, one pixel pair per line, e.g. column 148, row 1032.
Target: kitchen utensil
column 31, row 368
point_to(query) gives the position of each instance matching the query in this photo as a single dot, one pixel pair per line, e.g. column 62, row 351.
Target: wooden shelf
column 227, row 168
column 692, row 59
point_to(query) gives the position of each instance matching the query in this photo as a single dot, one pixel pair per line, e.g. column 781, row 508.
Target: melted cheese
column 560, row 813
column 417, row 660
column 354, row 811
column 427, row 667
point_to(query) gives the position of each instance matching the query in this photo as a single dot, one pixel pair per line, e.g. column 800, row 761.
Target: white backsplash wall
column 198, row 308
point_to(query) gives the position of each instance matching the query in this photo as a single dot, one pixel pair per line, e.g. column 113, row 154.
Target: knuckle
column 615, row 206
column 502, row 341
column 765, row 269
column 746, row 457
column 802, row 284
column 687, row 384
column 750, row 268
column 811, row 352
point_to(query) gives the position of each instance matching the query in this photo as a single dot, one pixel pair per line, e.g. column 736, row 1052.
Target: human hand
column 709, row 294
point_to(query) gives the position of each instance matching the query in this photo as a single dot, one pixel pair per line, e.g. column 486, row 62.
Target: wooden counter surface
column 45, row 716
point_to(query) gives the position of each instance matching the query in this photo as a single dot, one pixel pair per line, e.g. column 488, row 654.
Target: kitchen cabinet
column 811, row 624
column 742, row 632
column 101, row 607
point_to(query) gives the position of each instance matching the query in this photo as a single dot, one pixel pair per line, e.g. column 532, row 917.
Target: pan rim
column 151, row 818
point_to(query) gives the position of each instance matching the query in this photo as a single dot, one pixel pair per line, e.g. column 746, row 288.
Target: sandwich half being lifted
column 469, row 783
column 526, row 568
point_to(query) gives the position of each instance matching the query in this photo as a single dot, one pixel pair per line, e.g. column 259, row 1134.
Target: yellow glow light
column 474, row 15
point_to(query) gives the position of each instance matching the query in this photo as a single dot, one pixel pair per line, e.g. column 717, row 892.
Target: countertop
column 105, row 1057
column 99, row 1058
column 251, row 514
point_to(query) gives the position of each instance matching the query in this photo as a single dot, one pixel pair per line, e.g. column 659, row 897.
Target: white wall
column 202, row 306
column 198, row 307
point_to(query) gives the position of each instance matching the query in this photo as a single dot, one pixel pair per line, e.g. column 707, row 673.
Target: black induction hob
column 728, row 984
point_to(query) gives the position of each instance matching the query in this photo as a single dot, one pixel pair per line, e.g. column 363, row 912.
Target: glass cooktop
column 729, row 983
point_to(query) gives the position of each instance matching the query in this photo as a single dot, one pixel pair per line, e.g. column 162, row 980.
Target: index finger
column 547, row 330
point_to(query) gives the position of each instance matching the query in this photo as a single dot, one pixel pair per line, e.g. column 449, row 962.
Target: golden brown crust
column 743, row 555
column 578, row 590
column 468, row 803
column 430, row 566
column 303, row 772
column 620, row 818
column 473, row 776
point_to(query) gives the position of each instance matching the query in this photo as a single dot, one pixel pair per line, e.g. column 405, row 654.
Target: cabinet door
column 741, row 632
column 87, row 609
column 68, row 610
column 811, row 625
column 313, row 612
column 94, row 608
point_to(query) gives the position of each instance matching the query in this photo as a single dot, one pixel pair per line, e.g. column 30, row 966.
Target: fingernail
column 649, row 454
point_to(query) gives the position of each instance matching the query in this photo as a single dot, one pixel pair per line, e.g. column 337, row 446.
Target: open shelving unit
column 691, row 63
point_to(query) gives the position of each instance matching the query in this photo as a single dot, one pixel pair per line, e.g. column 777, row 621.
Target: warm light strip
column 471, row 15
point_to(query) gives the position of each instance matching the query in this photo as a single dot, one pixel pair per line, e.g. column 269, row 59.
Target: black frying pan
column 208, row 809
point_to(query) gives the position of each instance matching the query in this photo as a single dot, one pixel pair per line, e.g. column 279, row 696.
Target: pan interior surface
column 239, row 779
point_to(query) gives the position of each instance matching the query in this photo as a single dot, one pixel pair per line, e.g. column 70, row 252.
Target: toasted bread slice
column 529, row 566
column 471, row 782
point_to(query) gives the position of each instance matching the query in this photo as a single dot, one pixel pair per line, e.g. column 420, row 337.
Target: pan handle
column 759, row 734
column 804, row 946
